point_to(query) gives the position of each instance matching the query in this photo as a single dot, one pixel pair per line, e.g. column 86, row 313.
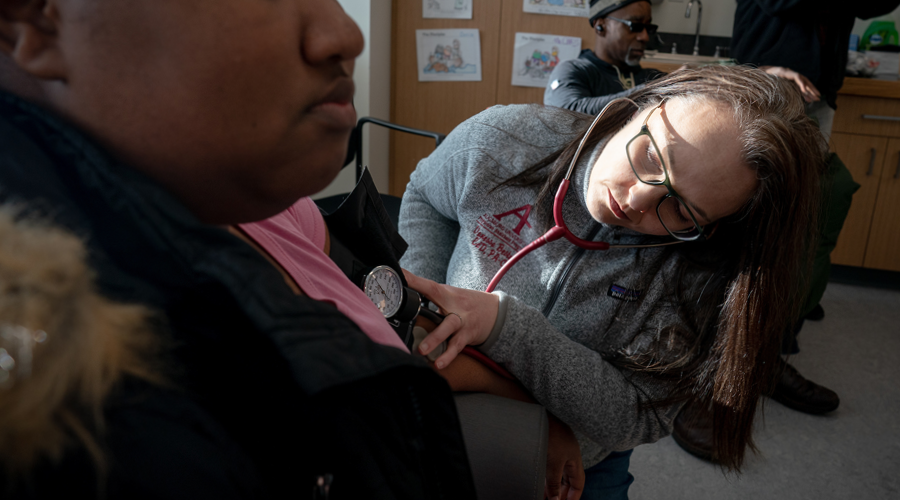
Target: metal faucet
column 687, row 13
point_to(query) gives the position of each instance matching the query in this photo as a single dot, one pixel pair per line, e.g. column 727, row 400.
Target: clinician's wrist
column 502, row 308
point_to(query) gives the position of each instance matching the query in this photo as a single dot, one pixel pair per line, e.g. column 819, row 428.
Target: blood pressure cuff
column 366, row 236
column 363, row 236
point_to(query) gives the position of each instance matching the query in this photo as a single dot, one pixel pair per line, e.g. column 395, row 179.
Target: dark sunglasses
column 637, row 27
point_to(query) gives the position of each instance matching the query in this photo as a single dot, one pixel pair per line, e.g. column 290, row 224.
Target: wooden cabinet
column 864, row 157
column 866, row 135
column 883, row 250
column 441, row 106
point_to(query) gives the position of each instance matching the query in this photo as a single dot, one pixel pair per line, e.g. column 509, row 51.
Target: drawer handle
column 871, row 164
column 897, row 173
column 882, row 118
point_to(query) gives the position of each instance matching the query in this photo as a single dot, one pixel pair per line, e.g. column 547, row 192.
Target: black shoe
column 816, row 314
column 693, row 431
column 796, row 392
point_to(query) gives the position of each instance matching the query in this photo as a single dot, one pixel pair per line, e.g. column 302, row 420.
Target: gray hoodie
column 570, row 310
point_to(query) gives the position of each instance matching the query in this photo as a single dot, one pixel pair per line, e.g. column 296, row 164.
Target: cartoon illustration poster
column 447, row 9
column 452, row 55
column 537, row 55
column 578, row 8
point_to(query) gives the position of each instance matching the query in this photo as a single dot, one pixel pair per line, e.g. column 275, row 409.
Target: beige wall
column 372, row 76
column 373, row 69
column 860, row 27
column 717, row 19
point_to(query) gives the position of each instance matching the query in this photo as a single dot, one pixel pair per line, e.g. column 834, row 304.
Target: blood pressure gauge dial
column 383, row 287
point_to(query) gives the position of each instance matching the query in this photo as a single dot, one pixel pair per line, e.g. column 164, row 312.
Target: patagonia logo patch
column 622, row 293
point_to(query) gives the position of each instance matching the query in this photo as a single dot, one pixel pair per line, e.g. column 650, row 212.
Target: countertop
column 870, row 87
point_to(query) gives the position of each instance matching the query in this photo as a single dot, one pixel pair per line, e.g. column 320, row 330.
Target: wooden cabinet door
column 883, row 250
column 867, row 115
column 435, row 106
column 864, row 156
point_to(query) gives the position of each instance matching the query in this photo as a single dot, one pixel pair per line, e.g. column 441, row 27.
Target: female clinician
column 713, row 173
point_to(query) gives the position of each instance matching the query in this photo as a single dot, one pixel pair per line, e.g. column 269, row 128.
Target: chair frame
column 357, row 136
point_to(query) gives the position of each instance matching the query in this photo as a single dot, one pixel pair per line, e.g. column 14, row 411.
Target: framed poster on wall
column 537, row 55
column 447, row 9
column 577, row 8
column 452, row 55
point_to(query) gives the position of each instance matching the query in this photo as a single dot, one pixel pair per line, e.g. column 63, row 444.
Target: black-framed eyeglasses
column 636, row 27
column 649, row 166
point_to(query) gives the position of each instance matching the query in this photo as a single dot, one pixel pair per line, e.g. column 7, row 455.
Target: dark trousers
column 838, row 187
column 610, row 479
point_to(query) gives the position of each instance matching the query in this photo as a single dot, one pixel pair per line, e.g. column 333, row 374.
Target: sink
column 666, row 58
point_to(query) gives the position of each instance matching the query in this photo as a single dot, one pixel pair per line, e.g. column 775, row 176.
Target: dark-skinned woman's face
column 238, row 107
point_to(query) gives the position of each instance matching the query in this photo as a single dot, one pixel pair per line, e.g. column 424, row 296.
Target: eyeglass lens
column 647, row 162
column 675, row 218
column 638, row 27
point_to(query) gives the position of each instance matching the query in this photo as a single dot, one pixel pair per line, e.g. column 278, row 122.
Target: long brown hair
column 758, row 261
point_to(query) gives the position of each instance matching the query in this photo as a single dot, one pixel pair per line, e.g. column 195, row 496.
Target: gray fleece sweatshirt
column 570, row 310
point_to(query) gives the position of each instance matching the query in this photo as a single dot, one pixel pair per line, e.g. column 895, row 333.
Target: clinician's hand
column 807, row 89
column 470, row 316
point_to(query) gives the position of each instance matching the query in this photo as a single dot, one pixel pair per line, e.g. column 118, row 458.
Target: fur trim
column 92, row 343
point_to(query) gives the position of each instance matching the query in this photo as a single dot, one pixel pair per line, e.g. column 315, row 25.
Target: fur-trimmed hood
column 78, row 345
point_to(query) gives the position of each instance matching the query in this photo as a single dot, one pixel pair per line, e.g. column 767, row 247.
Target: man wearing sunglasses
column 612, row 70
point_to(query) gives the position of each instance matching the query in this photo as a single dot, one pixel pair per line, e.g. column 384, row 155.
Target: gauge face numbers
column 384, row 289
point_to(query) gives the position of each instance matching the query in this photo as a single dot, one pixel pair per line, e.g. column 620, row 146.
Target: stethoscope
column 560, row 229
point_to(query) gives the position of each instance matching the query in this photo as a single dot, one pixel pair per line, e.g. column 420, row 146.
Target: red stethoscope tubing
column 488, row 362
column 559, row 230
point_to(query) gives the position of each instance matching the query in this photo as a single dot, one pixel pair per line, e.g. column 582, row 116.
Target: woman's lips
column 340, row 115
column 335, row 108
column 616, row 209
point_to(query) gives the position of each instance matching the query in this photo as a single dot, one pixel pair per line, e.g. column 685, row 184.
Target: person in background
column 612, row 69
column 811, row 38
column 145, row 128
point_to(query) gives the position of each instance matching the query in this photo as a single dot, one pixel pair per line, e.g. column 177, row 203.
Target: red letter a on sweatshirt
column 521, row 213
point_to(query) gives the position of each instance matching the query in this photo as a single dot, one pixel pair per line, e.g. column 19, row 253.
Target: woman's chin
column 607, row 217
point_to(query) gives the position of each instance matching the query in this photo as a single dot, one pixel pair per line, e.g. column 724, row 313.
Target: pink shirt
column 295, row 238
